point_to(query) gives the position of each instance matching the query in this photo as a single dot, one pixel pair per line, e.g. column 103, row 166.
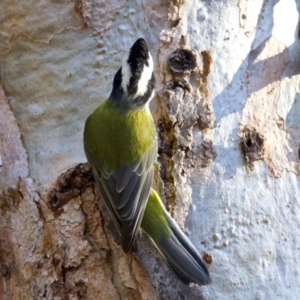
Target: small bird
column 176, row 248
column 120, row 143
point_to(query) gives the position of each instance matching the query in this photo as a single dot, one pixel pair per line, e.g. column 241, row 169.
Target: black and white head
column 134, row 83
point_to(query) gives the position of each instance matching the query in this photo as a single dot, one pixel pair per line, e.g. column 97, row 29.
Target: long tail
column 176, row 248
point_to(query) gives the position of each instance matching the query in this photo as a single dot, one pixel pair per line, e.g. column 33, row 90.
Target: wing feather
column 128, row 193
column 107, row 202
column 122, row 178
column 130, row 229
column 125, row 193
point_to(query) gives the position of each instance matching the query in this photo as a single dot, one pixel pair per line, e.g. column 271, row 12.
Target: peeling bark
column 227, row 96
column 184, row 103
column 64, row 252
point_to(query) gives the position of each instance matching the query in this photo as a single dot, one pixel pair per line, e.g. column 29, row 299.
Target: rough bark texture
column 227, row 110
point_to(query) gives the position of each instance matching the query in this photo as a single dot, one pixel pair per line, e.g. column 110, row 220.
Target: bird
column 120, row 143
column 175, row 247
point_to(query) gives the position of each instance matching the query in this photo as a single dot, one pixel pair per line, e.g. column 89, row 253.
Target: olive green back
column 117, row 138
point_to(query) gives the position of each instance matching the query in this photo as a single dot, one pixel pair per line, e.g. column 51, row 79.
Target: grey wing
column 125, row 193
column 104, row 194
column 130, row 227
column 128, row 190
column 108, row 205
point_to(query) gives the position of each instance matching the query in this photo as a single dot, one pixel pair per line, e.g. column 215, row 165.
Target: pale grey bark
column 227, row 112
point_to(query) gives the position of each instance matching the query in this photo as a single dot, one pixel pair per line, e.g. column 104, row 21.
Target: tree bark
column 227, row 110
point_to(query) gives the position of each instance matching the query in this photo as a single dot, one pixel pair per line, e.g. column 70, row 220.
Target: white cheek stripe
column 143, row 81
column 145, row 77
column 126, row 73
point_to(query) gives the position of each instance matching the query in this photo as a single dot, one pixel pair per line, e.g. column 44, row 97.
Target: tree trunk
column 227, row 110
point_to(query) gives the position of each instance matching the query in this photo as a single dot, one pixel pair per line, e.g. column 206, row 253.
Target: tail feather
column 183, row 258
column 186, row 243
column 176, row 248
